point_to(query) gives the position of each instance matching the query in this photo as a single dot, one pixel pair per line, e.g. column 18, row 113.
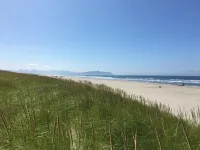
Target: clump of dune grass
column 44, row 113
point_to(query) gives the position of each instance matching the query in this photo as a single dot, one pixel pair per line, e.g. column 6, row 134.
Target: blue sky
column 121, row 36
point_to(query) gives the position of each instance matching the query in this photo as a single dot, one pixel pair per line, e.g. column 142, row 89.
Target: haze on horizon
column 119, row 36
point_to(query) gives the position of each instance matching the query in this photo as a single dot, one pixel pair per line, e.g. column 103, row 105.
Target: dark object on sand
column 160, row 86
column 181, row 84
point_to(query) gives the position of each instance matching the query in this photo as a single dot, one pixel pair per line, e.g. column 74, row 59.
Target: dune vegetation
column 39, row 112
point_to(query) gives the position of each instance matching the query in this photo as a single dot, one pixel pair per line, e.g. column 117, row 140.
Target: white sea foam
column 98, row 77
column 150, row 80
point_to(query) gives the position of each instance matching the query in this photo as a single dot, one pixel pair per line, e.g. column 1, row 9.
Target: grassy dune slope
column 45, row 113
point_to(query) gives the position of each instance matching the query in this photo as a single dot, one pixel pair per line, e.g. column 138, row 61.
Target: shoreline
column 144, row 81
column 178, row 98
column 156, row 83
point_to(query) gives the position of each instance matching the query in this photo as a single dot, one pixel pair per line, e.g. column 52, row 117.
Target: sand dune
column 176, row 97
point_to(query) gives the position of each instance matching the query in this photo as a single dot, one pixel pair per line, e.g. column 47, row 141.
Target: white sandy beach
column 176, row 97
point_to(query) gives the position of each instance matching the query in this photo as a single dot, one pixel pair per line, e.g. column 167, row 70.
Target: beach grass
column 39, row 112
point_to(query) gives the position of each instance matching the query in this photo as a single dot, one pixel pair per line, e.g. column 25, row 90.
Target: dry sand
column 176, row 97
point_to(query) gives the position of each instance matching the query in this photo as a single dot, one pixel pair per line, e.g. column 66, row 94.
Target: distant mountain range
column 65, row 72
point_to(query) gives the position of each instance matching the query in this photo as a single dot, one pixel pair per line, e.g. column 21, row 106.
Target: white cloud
column 40, row 67
column 33, row 64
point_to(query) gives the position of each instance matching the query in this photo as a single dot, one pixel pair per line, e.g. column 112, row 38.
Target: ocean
column 175, row 80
